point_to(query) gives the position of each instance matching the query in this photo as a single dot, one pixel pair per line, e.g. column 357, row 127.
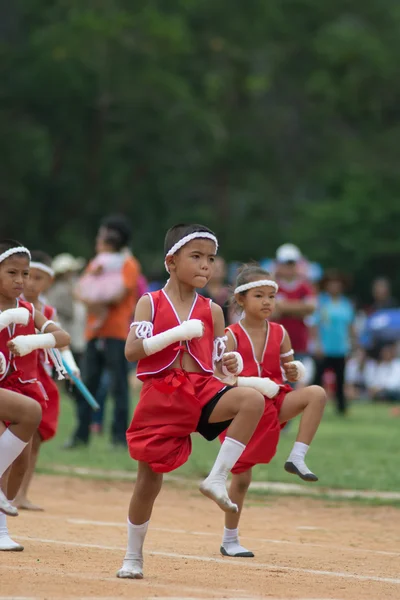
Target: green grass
column 358, row 452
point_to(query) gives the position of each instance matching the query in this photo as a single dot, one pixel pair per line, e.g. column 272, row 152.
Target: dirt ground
column 305, row 549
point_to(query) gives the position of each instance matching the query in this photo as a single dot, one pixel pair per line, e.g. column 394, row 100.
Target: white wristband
column 20, row 316
column 3, row 364
column 265, row 385
column 186, row 331
column 25, row 344
column 69, row 360
column 301, row 370
column 239, row 368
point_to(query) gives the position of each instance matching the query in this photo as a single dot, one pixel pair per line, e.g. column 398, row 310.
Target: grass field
column 358, row 452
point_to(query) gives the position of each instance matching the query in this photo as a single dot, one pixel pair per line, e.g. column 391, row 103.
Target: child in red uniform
column 40, row 279
column 266, row 349
column 177, row 338
column 19, row 344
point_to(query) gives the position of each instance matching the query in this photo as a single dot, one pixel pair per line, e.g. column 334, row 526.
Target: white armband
column 183, row 332
column 45, row 325
column 28, row 343
column 69, row 360
column 144, row 329
column 286, row 354
column 219, row 348
column 301, row 370
column 19, row 316
column 239, row 368
column 265, row 385
column 3, row 364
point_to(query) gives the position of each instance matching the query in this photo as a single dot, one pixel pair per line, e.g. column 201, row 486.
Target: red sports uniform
column 263, row 444
column 174, row 403
column 21, row 373
column 48, row 425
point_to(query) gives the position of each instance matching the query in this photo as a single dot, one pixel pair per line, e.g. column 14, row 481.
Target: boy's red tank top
column 50, row 313
column 270, row 365
column 164, row 317
column 25, row 366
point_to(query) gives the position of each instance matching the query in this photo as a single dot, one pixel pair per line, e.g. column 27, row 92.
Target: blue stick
column 82, row 388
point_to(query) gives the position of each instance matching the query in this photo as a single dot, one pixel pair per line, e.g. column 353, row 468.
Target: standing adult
column 334, row 332
column 296, row 299
column 382, row 298
column 106, row 337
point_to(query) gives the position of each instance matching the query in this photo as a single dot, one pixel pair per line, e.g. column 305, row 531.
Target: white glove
column 20, row 316
column 239, row 367
column 186, row 331
column 265, row 385
column 3, row 364
column 301, row 370
column 69, row 360
column 24, row 344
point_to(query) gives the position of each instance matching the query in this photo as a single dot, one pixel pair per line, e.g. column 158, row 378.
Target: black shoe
column 74, row 443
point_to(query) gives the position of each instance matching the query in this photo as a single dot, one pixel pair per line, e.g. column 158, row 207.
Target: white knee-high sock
column 10, row 447
column 3, row 525
column 136, row 536
column 228, row 455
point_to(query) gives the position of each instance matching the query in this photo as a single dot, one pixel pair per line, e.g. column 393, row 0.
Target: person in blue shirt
column 333, row 331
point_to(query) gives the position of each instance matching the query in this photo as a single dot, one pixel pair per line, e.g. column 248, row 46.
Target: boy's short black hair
column 177, row 232
column 7, row 244
column 41, row 257
column 120, row 231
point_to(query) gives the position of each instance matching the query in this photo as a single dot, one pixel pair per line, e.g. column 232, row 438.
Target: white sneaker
column 8, row 545
column 6, row 507
column 299, row 467
column 132, row 569
column 235, row 549
column 216, row 490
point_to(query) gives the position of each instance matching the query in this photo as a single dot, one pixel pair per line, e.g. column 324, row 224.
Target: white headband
column 188, row 238
column 17, row 250
column 42, row 267
column 256, row 284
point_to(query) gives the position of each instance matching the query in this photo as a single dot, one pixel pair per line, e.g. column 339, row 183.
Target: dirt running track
column 305, row 549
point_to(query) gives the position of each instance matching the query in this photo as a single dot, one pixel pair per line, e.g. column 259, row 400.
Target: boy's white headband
column 256, row 284
column 17, row 250
column 42, row 267
column 188, row 238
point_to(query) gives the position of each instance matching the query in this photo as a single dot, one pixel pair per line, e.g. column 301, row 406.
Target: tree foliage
column 268, row 121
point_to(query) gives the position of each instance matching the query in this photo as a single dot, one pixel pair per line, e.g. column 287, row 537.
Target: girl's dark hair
column 119, row 231
column 42, row 257
column 177, row 232
column 7, row 244
column 246, row 274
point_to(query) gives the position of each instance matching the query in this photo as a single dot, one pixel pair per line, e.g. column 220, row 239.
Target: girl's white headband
column 17, row 250
column 256, row 284
column 42, row 267
column 188, row 238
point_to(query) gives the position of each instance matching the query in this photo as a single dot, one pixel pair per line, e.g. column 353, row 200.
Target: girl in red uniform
column 266, row 350
column 177, row 337
column 19, row 344
column 40, row 279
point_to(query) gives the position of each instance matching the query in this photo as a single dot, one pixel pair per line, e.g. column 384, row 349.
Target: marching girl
column 266, row 351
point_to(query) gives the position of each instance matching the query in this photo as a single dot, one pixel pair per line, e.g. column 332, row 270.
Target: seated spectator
column 383, row 379
column 357, row 372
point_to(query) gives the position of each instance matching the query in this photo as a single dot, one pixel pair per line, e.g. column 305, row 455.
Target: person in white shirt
column 383, row 380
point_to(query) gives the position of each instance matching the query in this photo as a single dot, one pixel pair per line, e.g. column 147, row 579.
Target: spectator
column 333, row 321
column 217, row 289
column 381, row 295
column 357, row 373
column 296, row 298
column 384, row 378
column 106, row 344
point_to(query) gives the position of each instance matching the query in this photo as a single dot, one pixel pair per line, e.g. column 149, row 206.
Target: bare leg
column 237, row 493
column 310, row 401
column 146, row 490
column 21, row 500
column 246, row 407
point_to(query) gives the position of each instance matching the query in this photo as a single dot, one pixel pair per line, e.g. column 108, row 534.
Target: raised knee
column 255, row 401
column 33, row 414
column 318, row 394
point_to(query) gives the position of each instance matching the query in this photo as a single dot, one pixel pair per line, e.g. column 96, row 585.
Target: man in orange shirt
column 106, row 337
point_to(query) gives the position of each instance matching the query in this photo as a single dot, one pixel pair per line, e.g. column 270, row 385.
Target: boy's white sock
column 295, row 463
column 231, row 546
column 10, row 447
column 214, row 486
column 132, row 567
column 6, row 543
